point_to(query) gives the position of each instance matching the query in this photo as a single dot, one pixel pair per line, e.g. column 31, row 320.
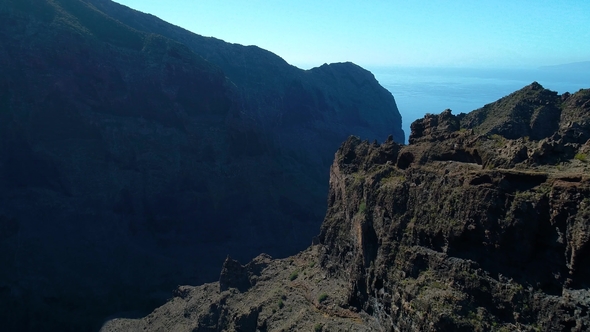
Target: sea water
column 418, row 91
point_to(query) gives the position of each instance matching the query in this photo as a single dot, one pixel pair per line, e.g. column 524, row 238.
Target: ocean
column 418, row 91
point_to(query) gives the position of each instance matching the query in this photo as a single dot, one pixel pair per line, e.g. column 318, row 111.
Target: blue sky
column 393, row 33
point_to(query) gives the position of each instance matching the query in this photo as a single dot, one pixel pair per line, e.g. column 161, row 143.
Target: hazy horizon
column 452, row 33
column 418, row 91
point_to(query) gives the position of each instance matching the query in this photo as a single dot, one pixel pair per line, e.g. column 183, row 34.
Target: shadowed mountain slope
column 131, row 163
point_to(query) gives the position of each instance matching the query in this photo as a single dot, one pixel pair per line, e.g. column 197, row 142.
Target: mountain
column 278, row 95
column 134, row 159
column 470, row 227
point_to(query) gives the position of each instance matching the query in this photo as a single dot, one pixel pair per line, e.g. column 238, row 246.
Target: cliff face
column 131, row 162
column 462, row 230
column 469, row 227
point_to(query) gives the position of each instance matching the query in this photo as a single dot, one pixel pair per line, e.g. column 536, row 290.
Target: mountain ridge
column 239, row 69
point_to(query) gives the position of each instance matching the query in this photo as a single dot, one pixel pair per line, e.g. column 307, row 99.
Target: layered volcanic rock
column 132, row 161
column 464, row 229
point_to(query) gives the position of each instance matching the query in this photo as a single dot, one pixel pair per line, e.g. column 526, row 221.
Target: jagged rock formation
column 464, row 229
column 132, row 161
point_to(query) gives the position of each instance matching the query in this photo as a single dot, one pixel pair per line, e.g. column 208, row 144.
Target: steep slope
column 102, row 129
column 459, row 231
column 336, row 99
column 130, row 164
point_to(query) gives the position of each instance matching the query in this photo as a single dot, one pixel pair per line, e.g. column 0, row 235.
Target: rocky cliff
column 132, row 161
column 470, row 227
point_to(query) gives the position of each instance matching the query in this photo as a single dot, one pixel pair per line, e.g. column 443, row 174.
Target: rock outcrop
column 132, row 161
column 469, row 227
column 462, row 230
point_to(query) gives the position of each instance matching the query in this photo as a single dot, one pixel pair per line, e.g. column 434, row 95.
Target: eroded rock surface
column 466, row 229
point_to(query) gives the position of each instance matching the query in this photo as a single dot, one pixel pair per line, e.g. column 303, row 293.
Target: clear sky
column 491, row 33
